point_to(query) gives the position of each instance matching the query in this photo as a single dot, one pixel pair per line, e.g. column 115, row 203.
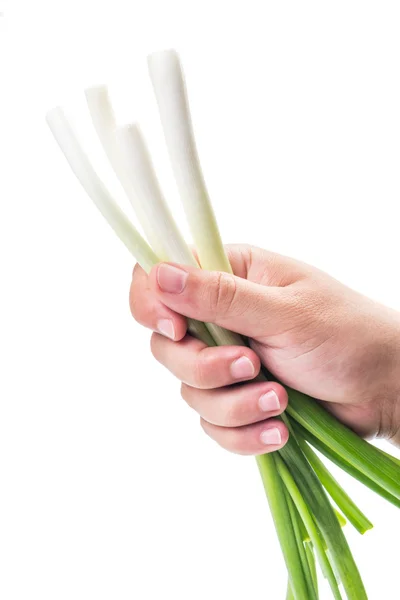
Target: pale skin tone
column 312, row 332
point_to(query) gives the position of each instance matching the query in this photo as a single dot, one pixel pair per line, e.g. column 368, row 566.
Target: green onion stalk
column 299, row 487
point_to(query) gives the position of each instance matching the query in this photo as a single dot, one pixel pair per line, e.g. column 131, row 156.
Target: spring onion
column 297, row 482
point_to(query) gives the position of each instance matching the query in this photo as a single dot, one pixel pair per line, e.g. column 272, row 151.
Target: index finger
column 147, row 309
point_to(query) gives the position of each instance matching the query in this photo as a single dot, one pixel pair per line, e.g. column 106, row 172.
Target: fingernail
column 171, row 279
column 242, row 368
column 166, row 327
column 271, row 437
column 269, row 402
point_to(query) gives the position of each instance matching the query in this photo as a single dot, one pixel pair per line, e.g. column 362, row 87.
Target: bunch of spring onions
column 298, row 485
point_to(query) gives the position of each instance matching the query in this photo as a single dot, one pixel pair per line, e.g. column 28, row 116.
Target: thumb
column 237, row 304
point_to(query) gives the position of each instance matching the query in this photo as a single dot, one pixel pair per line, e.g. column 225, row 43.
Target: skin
column 312, row 332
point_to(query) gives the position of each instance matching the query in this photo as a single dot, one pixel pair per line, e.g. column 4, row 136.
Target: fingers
column 202, row 367
column 148, row 310
column 232, row 302
column 259, row 438
column 238, row 405
column 236, row 417
column 239, row 418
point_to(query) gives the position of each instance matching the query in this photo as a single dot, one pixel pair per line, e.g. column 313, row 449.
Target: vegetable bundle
column 298, row 485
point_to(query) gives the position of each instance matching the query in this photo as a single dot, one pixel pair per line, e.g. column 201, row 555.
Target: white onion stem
column 170, row 91
column 139, row 169
column 95, row 188
column 84, row 171
column 147, row 194
column 102, row 114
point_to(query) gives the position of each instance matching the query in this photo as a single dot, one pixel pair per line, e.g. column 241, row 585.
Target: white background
column 108, row 487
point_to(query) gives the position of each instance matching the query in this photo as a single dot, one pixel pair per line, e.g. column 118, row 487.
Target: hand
column 313, row 333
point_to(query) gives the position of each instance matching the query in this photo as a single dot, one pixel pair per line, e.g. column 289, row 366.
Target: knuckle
column 224, row 294
column 202, row 368
column 232, row 416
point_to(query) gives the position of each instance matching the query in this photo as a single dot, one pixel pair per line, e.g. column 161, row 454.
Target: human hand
column 312, row 332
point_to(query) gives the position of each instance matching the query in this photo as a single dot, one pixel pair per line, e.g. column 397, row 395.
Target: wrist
column 391, row 412
column 395, row 439
column 394, row 431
